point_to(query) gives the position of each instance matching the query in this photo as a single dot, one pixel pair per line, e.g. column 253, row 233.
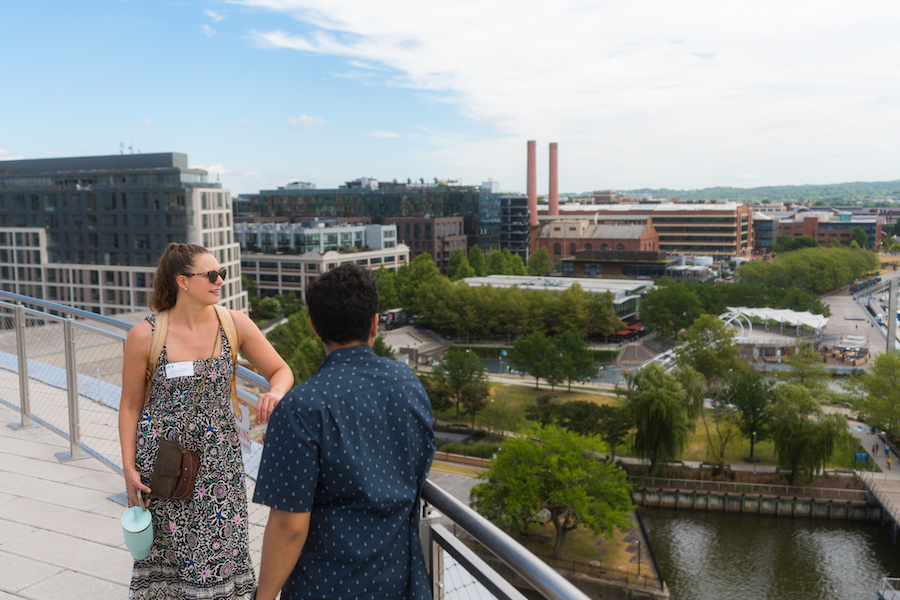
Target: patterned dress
column 200, row 545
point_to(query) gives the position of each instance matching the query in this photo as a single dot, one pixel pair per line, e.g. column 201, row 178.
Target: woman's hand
column 132, row 484
column 265, row 405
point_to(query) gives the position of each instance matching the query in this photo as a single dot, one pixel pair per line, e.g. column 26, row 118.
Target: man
column 346, row 457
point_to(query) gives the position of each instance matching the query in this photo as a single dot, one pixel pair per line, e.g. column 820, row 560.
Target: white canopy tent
column 783, row 316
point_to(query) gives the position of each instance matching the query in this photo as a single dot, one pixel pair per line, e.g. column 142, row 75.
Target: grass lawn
column 582, row 547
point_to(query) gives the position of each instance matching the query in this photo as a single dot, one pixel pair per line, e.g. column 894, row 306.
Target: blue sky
column 647, row 93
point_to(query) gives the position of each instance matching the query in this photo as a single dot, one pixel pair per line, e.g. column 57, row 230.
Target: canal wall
column 751, row 503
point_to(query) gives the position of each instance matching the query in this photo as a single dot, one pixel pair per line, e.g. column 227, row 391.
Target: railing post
column 24, row 400
column 75, row 451
column 434, row 555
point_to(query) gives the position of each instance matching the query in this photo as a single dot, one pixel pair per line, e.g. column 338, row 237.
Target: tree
column 877, row 393
column 539, row 263
column 413, row 277
column 709, row 348
column 783, row 243
column 670, row 307
column 860, row 237
column 381, row 348
column 387, row 289
column 298, row 345
column 544, row 409
column 502, row 416
column 458, row 370
column 804, row 241
column 558, row 471
column 458, row 267
column 476, row 261
column 572, row 312
column 530, row 354
column 577, row 360
column 660, row 411
column 579, row 416
column 614, row 426
column 808, row 371
column 751, row 395
column 474, row 397
column 805, row 438
column 437, row 393
column 602, row 316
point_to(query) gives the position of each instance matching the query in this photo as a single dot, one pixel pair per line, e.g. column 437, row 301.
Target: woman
column 200, row 546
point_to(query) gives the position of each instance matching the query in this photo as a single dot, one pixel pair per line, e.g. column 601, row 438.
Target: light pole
column 639, row 559
column 753, row 454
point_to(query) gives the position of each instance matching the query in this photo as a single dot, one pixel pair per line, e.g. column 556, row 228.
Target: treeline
column 817, row 270
column 830, row 193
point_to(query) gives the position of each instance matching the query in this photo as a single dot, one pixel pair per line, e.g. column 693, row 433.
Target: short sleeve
column 289, row 470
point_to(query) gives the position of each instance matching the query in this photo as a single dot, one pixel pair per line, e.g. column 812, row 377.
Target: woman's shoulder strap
column 157, row 341
column 227, row 323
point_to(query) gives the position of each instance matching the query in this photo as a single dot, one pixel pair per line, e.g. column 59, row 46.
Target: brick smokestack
column 532, row 183
column 553, row 200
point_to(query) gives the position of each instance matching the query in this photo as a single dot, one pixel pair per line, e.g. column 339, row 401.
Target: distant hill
column 830, row 194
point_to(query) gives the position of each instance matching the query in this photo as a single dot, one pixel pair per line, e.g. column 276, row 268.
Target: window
column 572, row 249
column 557, row 249
column 588, row 246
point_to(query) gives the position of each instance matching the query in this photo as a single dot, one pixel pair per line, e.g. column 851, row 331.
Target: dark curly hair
column 341, row 304
column 176, row 260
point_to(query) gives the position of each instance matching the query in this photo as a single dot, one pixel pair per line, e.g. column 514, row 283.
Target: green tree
column 516, row 265
column 660, row 411
column 554, row 470
column 577, row 360
column 544, row 409
column 458, row 267
column 502, row 416
column 458, row 370
column 751, row 395
column 539, row 263
column 412, row 278
column 381, row 348
column 807, row 369
column 876, row 393
column 860, row 237
column 476, row 261
column 670, row 307
column 709, row 347
column 783, row 243
column 602, row 316
column 579, row 416
column 614, row 427
column 298, row 345
column 804, row 241
column 387, row 289
column 572, row 310
column 437, row 393
column 533, row 354
column 474, row 397
column 805, row 438
column 497, row 263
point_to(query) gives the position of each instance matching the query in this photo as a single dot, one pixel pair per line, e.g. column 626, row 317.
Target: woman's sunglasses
column 213, row 276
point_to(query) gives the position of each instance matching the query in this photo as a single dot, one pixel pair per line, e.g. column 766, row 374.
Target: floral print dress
column 200, row 545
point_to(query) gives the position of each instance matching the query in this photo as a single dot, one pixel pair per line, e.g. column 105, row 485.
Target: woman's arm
column 257, row 349
column 134, row 386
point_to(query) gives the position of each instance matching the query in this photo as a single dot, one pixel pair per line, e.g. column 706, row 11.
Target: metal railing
column 65, row 364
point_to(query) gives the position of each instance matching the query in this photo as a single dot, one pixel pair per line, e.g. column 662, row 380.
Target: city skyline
column 649, row 94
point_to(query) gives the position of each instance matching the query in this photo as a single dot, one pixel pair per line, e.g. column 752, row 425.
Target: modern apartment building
column 284, row 273
column 88, row 231
column 437, row 236
column 515, row 226
column 313, row 236
column 480, row 210
column 827, row 225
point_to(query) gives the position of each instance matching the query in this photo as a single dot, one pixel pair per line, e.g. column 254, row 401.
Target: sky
column 638, row 94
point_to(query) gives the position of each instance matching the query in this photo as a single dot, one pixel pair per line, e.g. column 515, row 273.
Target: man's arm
column 282, row 543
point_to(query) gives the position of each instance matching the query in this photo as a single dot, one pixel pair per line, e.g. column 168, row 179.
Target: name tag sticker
column 179, row 369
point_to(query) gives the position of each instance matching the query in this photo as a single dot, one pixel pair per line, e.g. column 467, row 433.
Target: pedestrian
column 874, row 449
column 889, row 463
column 346, row 457
column 201, row 544
column 887, row 449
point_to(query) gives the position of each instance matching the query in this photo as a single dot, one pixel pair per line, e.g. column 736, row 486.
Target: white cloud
column 305, row 122
column 667, row 89
column 215, row 15
column 145, row 123
column 383, row 134
column 4, row 155
column 242, row 122
column 208, row 31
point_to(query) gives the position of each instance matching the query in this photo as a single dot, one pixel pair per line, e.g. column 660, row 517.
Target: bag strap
column 227, row 322
column 157, row 341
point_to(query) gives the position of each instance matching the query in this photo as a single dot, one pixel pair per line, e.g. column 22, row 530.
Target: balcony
column 62, row 492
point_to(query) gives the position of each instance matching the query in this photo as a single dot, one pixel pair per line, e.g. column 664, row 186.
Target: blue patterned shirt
column 353, row 446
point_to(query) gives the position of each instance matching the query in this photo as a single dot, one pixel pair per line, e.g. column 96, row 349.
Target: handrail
column 536, row 572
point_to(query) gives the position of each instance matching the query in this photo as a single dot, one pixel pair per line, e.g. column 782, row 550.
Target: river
column 729, row 556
